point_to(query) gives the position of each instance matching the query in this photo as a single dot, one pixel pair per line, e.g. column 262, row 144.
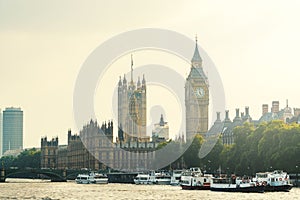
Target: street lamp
column 248, row 171
column 228, row 173
column 208, row 165
column 296, row 175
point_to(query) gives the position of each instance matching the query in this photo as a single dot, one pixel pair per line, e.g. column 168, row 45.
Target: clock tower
column 196, row 98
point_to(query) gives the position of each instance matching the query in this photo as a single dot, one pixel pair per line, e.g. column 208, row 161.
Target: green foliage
column 273, row 145
column 190, row 156
column 26, row 159
column 269, row 146
column 6, row 161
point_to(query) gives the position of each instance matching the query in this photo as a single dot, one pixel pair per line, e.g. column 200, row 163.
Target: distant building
column 284, row 114
column 94, row 149
column 49, row 151
column 228, row 125
column 196, row 98
column 12, row 129
column 97, row 142
column 161, row 131
column 79, row 153
column 227, row 133
column 296, row 117
column 275, row 113
column 13, row 153
column 132, row 110
column 1, row 134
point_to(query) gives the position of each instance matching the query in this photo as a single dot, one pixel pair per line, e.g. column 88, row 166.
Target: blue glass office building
column 12, row 137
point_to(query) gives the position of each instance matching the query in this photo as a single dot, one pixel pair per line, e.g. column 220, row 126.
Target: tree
column 26, row 159
column 190, row 156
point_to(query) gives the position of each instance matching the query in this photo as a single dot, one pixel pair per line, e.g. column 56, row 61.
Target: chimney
column 247, row 110
column 275, row 107
column 218, row 120
column 227, row 115
column 265, row 109
column 242, row 114
column 218, row 116
column 237, row 113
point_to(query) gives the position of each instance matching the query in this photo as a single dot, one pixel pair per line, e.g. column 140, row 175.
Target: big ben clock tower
column 196, row 98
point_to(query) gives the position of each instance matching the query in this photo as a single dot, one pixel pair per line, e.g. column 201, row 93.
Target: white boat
column 84, row 179
column 274, row 181
column 175, row 177
column 159, row 178
column 162, row 178
column 234, row 184
column 145, row 178
column 99, row 178
column 91, row 178
column 194, row 179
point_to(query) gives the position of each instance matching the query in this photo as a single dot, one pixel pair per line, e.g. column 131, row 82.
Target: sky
column 43, row 44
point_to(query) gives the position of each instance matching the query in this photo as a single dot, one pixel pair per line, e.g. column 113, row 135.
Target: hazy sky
column 254, row 45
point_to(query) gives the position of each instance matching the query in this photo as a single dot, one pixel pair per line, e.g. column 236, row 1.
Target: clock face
column 199, row 92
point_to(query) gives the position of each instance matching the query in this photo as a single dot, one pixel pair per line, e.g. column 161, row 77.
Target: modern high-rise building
column 196, row 98
column 132, row 116
column 12, row 129
column 1, row 137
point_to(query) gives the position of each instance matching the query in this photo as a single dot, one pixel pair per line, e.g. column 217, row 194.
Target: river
column 36, row 189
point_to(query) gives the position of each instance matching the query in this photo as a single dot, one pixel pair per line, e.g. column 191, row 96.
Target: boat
column 145, row 178
column 194, row 179
column 84, row 179
column 275, row 181
column 91, row 178
column 159, row 178
column 99, row 178
column 234, row 184
column 162, row 178
column 175, row 177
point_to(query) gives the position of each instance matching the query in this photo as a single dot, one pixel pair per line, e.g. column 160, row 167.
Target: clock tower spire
column 196, row 97
column 196, row 60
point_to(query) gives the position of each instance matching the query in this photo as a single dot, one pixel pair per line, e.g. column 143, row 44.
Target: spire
column 162, row 122
column 124, row 80
column 143, row 81
column 139, row 82
column 131, row 69
column 120, row 81
column 196, row 60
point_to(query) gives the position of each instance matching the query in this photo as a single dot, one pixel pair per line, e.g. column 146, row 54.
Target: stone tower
column 49, row 150
column 132, row 115
column 196, row 98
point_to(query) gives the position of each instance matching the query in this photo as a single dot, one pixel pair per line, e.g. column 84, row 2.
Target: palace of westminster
column 95, row 149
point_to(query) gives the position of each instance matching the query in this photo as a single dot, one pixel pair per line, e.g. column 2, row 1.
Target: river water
column 30, row 189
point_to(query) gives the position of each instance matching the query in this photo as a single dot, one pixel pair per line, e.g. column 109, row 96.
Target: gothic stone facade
column 132, row 115
column 94, row 149
column 196, row 98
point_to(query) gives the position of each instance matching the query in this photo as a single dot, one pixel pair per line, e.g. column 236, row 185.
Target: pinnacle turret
column 196, row 60
column 120, row 81
column 138, row 83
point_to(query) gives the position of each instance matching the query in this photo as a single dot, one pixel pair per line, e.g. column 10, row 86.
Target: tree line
column 266, row 147
column 269, row 146
column 30, row 158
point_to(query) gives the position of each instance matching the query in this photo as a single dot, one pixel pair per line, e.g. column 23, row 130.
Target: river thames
column 28, row 189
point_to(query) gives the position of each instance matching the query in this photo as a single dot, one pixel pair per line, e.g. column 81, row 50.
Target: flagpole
column 131, row 69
